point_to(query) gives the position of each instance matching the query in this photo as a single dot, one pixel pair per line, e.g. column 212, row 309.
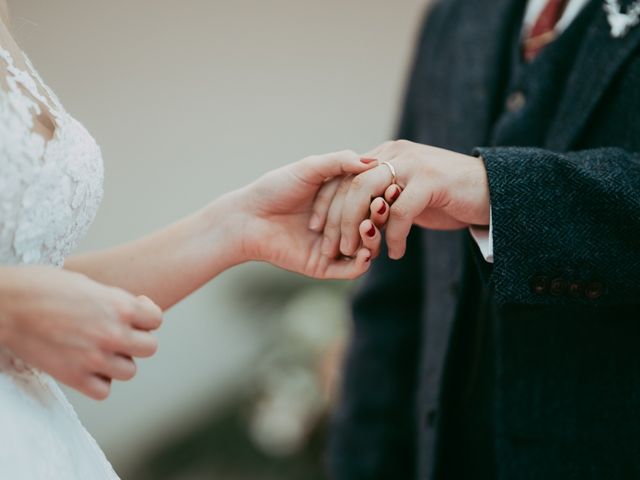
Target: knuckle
column 331, row 228
column 150, row 305
column 133, row 369
column 151, row 346
column 126, row 311
column 94, row 360
column 102, row 393
column 110, row 337
column 357, row 183
column 96, row 389
column 399, row 211
column 346, row 226
column 129, row 370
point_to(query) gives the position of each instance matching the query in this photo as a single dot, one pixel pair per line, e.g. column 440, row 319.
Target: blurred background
column 189, row 99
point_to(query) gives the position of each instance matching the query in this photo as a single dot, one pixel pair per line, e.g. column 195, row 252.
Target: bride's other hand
column 280, row 207
column 79, row 331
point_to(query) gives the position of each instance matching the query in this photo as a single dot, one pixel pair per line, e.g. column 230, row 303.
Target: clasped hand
column 434, row 188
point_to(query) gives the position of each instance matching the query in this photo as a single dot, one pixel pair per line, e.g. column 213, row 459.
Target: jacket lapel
column 484, row 52
column 599, row 59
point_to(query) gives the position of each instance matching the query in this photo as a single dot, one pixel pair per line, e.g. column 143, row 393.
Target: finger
column 331, row 239
column 318, row 168
column 119, row 367
column 392, row 193
column 148, row 315
column 322, row 203
column 96, row 386
column 349, row 268
column 363, row 188
column 411, row 202
column 140, row 344
column 371, row 237
column 379, row 212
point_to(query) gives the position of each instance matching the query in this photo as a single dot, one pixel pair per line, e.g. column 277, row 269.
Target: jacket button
column 575, row 289
column 516, row 101
column 594, row 290
column 539, row 284
column 557, row 287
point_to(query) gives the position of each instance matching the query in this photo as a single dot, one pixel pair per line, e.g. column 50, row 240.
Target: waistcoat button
column 516, row 101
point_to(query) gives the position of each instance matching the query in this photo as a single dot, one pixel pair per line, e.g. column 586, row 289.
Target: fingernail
column 372, row 231
column 396, row 195
column 367, row 161
column 314, row 222
column 343, row 245
column 382, row 209
column 367, row 259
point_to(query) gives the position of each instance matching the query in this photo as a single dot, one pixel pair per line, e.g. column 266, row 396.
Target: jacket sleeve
column 566, row 227
column 373, row 429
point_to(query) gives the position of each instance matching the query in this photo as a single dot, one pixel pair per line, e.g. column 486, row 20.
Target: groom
column 512, row 352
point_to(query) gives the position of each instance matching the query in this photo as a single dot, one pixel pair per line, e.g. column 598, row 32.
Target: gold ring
column 392, row 170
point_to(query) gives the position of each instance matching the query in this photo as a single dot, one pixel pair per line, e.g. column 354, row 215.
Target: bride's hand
column 79, row 331
column 279, row 206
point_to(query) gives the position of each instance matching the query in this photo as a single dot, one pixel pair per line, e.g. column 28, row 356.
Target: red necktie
column 544, row 29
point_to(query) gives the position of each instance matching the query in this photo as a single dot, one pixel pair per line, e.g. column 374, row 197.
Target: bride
column 83, row 319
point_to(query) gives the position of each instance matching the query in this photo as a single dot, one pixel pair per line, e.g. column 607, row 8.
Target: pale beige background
column 189, row 99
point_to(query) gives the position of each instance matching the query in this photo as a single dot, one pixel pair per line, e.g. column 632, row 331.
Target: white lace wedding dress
column 49, row 193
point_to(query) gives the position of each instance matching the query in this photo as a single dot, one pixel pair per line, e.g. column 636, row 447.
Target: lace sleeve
column 50, row 188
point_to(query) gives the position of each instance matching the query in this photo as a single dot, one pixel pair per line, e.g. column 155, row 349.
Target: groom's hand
column 441, row 189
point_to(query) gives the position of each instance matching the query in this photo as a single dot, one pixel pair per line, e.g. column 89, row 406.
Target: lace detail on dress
column 49, row 191
column 49, row 194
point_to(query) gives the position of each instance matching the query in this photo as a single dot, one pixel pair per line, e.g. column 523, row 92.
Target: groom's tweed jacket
column 564, row 291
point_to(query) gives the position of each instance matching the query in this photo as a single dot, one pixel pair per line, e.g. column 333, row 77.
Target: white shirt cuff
column 483, row 237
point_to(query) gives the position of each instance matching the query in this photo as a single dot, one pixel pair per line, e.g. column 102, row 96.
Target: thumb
column 317, row 169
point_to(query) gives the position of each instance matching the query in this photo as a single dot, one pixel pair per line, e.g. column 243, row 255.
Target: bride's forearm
column 171, row 263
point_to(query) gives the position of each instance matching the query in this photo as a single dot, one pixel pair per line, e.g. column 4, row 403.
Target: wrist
column 227, row 219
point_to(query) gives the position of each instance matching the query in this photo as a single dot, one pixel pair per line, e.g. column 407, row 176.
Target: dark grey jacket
column 565, row 286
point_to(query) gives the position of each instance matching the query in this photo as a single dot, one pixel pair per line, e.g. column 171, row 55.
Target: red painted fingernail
column 372, row 231
column 395, row 196
column 368, row 257
column 382, row 209
column 367, row 161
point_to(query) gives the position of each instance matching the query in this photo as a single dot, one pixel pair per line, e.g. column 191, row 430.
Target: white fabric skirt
column 41, row 437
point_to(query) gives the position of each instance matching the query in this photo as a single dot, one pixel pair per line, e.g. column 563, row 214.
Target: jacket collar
column 599, row 59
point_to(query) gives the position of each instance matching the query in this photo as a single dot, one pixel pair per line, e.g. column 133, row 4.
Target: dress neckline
column 34, row 87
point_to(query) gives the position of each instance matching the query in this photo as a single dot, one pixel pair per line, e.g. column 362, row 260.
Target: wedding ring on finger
column 392, row 170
